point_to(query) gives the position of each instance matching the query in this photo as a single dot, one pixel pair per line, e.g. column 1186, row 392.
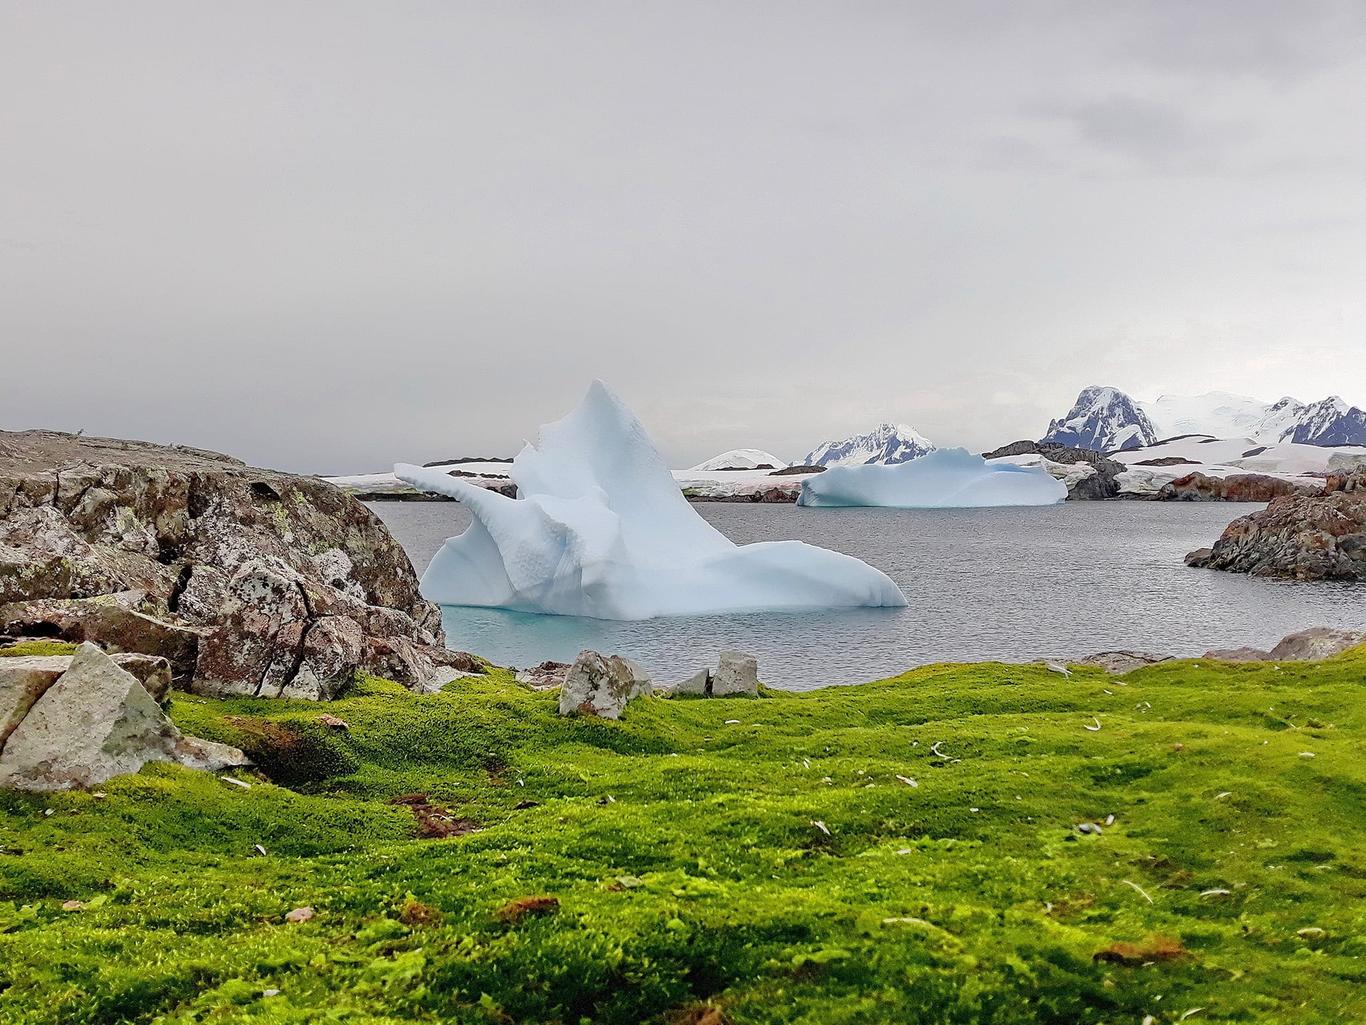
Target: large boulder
column 1318, row 642
column 736, row 673
column 1307, row 537
column 96, row 721
column 602, row 686
column 249, row 581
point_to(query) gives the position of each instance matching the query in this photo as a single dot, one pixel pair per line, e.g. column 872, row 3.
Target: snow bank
column 600, row 529
column 947, row 479
column 741, row 459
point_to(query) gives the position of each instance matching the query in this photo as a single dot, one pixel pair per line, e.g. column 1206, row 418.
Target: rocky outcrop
column 1089, row 475
column 1310, row 645
column 92, row 722
column 602, row 686
column 1236, row 487
column 249, row 581
column 1307, row 537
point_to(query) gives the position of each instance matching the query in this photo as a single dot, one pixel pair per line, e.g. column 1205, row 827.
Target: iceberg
column 599, row 528
column 951, row 478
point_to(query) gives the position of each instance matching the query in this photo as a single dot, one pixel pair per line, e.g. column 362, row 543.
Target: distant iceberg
column 950, row 478
column 600, row 529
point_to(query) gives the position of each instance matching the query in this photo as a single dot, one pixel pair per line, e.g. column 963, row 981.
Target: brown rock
column 1308, row 537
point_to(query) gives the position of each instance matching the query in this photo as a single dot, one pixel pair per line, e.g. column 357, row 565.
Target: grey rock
column 545, row 676
column 1318, row 642
column 736, row 673
column 602, row 686
column 96, row 721
column 699, row 684
column 24, row 679
column 1121, row 662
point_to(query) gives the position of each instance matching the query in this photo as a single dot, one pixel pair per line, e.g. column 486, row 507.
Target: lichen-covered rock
column 251, row 561
column 26, row 678
column 1308, row 537
column 602, row 685
column 736, row 673
column 93, row 722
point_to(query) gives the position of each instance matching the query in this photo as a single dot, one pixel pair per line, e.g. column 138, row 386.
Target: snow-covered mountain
column 1104, row 420
column 1217, row 413
column 741, row 459
column 1329, row 421
column 887, row 443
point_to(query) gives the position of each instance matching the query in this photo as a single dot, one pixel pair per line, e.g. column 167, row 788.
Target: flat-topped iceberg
column 600, row 529
column 951, row 478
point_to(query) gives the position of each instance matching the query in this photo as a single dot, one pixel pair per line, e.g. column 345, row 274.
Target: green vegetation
column 21, row 648
column 676, row 867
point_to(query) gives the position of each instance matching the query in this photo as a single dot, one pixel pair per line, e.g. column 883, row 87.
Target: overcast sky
column 331, row 236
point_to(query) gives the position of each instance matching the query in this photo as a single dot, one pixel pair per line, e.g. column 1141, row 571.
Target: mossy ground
column 768, row 869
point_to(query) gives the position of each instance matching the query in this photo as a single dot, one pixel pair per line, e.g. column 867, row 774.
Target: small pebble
column 1089, row 827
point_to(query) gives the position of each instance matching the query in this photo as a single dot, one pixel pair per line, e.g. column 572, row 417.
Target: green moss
column 22, row 648
column 689, row 869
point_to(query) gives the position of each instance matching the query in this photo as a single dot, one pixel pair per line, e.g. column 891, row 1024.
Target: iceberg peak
column 600, row 529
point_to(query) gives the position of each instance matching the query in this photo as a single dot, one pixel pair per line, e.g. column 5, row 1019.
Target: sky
column 330, row 237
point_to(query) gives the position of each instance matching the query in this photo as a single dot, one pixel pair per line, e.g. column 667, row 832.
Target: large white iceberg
column 600, row 528
column 950, row 478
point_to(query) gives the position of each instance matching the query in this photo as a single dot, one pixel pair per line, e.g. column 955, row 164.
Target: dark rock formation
column 1308, row 537
column 1094, row 487
column 1236, row 487
column 248, row 581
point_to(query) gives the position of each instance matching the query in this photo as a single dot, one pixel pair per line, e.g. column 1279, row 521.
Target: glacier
column 951, row 478
column 599, row 528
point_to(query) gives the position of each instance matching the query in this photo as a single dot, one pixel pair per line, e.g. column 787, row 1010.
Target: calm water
column 1009, row 584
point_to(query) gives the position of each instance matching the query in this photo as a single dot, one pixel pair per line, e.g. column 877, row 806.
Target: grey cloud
column 329, row 238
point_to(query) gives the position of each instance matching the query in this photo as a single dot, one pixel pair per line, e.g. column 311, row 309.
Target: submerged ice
column 946, row 479
column 600, row 528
